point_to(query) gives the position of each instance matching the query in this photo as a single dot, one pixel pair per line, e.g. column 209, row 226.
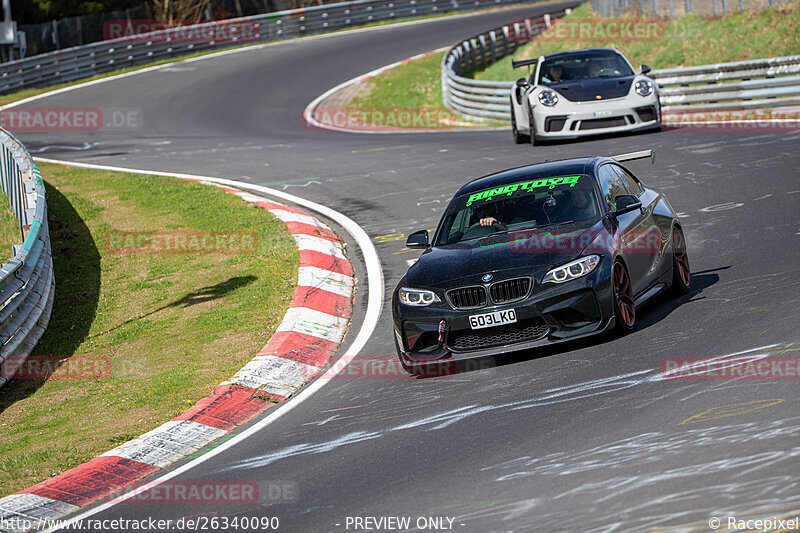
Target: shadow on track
column 653, row 312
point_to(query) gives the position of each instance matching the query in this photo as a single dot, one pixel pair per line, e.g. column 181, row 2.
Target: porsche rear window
column 522, row 205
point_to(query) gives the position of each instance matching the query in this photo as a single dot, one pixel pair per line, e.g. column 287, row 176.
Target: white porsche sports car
column 582, row 92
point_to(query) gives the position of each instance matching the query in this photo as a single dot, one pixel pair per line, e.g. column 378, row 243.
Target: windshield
column 589, row 65
column 519, row 206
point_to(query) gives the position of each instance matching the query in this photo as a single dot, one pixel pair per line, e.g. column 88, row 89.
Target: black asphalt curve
column 584, row 437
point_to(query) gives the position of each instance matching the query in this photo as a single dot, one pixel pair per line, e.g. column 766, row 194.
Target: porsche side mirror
column 625, row 203
column 418, row 239
column 645, row 69
column 522, row 82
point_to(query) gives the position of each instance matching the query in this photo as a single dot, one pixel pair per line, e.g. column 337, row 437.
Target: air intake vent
column 467, row 297
column 510, row 290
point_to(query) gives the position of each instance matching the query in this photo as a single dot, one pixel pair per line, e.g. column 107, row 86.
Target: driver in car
column 486, row 215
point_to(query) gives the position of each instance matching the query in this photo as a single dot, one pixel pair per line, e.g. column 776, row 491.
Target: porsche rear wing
column 524, row 62
column 642, row 154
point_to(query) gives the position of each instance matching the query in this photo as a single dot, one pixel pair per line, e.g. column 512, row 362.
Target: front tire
column 624, row 306
column 681, row 273
column 535, row 141
column 519, row 138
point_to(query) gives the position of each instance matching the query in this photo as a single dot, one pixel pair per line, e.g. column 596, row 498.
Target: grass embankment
column 686, row 41
column 689, row 40
column 411, row 88
column 171, row 326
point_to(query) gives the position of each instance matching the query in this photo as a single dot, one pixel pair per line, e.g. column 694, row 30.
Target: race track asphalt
column 583, row 437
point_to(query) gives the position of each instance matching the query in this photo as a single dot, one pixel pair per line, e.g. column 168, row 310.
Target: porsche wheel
column 681, row 274
column 624, row 307
column 534, row 139
column 519, row 138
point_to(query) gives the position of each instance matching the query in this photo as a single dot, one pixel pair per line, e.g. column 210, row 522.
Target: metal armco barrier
column 27, row 286
column 757, row 83
column 104, row 56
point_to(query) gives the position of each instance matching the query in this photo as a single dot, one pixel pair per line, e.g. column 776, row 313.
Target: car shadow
column 598, row 137
column 651, row 313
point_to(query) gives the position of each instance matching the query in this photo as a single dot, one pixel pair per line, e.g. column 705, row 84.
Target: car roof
column 581, row 51
column 548, row 169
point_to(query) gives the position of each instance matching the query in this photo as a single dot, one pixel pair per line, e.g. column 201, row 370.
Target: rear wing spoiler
column 524, row 62
column 642, row 154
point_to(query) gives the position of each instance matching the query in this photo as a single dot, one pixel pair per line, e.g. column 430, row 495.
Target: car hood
column 589, row 90
column 530, row 252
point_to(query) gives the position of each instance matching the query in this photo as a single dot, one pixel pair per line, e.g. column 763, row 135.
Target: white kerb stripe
column 167, row 443
column 289, row 216
column 326, row 280
column 318, row 244
column 315, row 323
column 247, row 197
column 30, row 507
column 274, row 374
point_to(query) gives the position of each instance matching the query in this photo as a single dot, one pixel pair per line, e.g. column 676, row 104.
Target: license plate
column 602, row 113
column 497, row 318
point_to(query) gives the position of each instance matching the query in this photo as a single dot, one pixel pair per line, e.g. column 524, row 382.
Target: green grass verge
column 689, row 40
column 411, row 88
column 172, row 325
column 9, row 230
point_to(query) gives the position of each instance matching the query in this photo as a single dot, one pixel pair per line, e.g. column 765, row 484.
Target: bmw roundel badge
column 487, row 278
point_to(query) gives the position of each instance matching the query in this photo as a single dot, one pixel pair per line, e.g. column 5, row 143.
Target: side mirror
column 645, row 69
column 522, row 82
column 418, row 239
column 625, row 203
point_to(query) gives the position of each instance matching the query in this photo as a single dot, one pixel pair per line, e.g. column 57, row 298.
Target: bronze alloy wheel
column 681, row 275
column 625, row 310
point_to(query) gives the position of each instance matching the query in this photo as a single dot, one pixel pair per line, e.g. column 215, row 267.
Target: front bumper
column 551, row 313
column 569, row 120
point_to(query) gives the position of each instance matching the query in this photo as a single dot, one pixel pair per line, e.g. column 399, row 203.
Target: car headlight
column 548, row 98
column 575, row 269
column 417, row 297
column 644, row 87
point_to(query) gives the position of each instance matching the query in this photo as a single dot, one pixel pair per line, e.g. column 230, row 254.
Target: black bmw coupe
column 535, row 255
